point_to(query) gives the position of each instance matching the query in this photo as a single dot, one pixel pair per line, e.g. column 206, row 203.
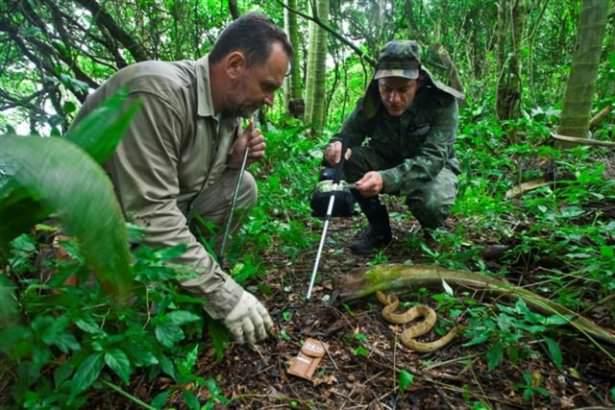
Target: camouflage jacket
column 417, row 145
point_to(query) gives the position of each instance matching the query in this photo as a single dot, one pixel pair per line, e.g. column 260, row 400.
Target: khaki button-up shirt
column 175, row 147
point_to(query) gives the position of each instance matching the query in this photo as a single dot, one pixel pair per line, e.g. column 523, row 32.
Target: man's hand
column 249, row 320
column 255, row 142
column 333, row 153
column 370, row 185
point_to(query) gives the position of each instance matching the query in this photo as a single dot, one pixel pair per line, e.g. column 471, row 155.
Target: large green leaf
column 99, row 133
column 117, row 360
column 8, row 304
column 87, row 373
column 66, row 181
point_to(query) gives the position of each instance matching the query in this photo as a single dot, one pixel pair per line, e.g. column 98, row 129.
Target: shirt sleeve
column 144, row 172
column 432, row 156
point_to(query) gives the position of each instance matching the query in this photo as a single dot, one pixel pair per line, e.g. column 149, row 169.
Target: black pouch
column 342, row 205
column 331, row 183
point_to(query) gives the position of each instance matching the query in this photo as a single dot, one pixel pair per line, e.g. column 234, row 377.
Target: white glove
column 249, row 320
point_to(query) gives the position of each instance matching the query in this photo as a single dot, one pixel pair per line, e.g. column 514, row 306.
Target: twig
column 600, row 302
column 335, row 34
column 444, row 363
column 147, row 308
column 332, row 360
column 395, row 362
column 600, row 116
column 480, row 387
column 582, row 141
column 127, row 395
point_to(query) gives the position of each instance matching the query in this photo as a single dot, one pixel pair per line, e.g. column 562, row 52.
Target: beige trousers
column 210, row 209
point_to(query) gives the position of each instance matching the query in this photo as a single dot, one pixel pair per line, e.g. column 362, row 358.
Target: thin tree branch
column 582, row 141
column 59, row 21
column 43, row 63
column 105, row 39
column 61, row 52
column 25, row 102
column 104, row 20
column 335, row 34
column 530, row 36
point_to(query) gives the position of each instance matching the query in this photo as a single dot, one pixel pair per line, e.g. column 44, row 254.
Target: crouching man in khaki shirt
column 182, row 153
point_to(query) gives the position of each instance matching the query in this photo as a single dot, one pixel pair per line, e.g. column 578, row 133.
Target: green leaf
column 41, row 171
column 607, row 251
column 613, row 394
column 360, row 351
column 170, row 253
column 216, row 393
column 405, row 380
column 167, row 366
column 8, row 303
column 53, row 332
column 168, row 334
column 87, row 373
column 557, row 320
column 477, row 339
column 88, row 325
column 186, row 365
column 66, row 341
column 555, row 352
column 220, row 338
column 69, row 107
column 191, row 400
column 142, row 356
column 119, row 363
column 41, row 355
column 16, row 341
column 495, row 355
column 179, row 317
column 99, row 133
column 62, row 373
column 161, row 399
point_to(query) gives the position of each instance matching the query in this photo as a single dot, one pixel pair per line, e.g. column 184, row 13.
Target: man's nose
column 394, row 97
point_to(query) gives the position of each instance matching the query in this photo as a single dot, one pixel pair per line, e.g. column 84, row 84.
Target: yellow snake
column 407, row 337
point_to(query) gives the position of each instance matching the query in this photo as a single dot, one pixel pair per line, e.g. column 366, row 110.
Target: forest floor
column 364, row 356
column 365, row 361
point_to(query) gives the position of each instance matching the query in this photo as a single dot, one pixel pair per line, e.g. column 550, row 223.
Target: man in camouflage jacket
column 399, row 140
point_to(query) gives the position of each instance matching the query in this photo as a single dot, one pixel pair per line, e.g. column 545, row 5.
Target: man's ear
column 235, row 64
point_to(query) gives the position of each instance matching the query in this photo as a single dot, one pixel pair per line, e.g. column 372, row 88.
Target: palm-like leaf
column 99, row 133
column 64, row 180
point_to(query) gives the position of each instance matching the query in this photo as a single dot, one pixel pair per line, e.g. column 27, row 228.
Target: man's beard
column 244, row 111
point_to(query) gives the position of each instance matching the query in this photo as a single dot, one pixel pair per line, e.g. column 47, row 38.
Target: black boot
column 378, row 233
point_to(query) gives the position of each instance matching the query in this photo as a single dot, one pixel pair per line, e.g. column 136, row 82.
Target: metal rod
column 320, row 246
column 229, row 218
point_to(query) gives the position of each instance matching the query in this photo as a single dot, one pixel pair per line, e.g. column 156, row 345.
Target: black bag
column 330, row 184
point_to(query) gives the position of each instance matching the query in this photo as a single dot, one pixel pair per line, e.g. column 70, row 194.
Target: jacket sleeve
column 144, row 173
column 355, row 129
column 432, row 156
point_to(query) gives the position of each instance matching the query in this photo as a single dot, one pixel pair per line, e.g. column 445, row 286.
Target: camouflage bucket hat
column 399, row 59
column 404, row 58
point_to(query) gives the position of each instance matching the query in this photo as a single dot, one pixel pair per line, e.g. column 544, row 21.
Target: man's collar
column 205, row 103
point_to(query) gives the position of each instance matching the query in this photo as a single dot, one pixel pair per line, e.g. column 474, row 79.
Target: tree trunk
column 511, row 18
column 316, row 76
column 294, row 99
column 576, row 112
